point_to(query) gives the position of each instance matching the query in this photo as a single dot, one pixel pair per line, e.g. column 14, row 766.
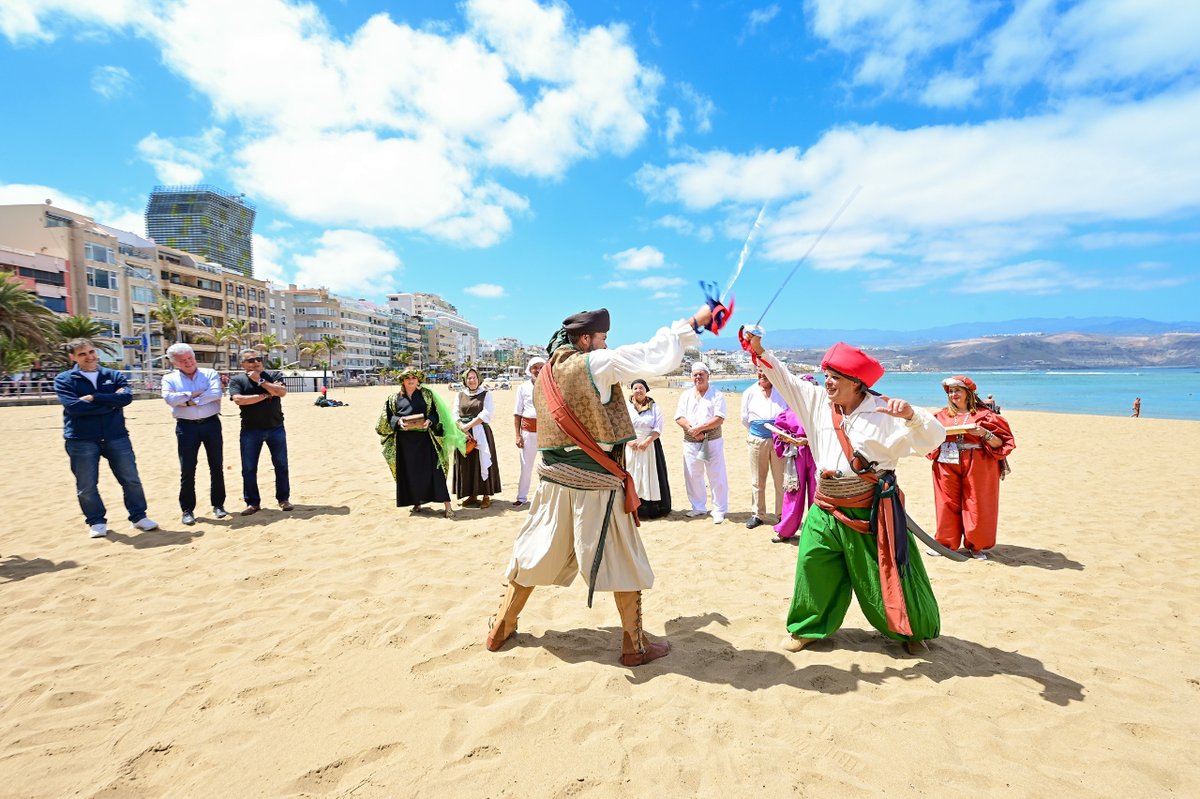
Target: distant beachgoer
column 760, row 407
column 476, row 474
column 417, row 440
column 583, row 513
column 93, row 399
column 990, row 404
column 525, row 427
column 644, row 456
column 799, row 474
column 701, row 413
column 967, row 469
column 1137, row 407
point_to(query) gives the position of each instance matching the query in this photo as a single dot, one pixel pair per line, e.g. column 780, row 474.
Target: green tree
column 22, row 318
column 330, row 346
column 66, row 328
column 173, row 311
column 235, row 331
column 270, row 343
column 15, row 356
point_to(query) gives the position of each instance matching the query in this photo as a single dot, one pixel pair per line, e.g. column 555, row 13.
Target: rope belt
column 574, row 477
column 844, row 487
column 710, row 435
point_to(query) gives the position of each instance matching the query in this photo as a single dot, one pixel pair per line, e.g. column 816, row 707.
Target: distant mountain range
column 804, row 338
column 1092, row 343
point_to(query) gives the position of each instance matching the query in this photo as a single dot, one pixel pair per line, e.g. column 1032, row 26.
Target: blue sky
column 526, row 160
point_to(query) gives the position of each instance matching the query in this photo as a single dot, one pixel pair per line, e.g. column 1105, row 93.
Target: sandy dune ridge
column 338, row 650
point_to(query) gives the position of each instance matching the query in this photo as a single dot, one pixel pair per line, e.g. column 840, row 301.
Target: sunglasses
column 251, row 360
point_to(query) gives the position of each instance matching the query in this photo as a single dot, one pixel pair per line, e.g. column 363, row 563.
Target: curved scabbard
column 595, row 570
column 931, row 542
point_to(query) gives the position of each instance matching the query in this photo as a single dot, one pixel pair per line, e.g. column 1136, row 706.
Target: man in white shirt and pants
column 525, row 421
column 700, row 413
column 760, row 406
column 194, row 394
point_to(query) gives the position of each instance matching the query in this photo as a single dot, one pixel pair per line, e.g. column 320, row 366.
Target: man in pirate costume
column 583, row 514
column 856, row 535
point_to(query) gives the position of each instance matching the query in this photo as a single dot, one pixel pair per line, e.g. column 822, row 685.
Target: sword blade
column 811, row 247
column 916, row 530
column 737, row 272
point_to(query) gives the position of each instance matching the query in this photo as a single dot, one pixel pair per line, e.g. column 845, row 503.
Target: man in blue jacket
column 93, row 397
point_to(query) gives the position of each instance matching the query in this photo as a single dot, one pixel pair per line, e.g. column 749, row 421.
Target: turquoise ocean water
column 1165, row 393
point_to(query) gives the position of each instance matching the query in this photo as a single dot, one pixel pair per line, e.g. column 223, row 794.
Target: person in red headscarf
column 855, row 536
column 968, row 468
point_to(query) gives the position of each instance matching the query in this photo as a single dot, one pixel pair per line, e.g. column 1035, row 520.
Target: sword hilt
column 721, row 314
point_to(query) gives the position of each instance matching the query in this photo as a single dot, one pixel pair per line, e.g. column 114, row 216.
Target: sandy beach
column 337, row 651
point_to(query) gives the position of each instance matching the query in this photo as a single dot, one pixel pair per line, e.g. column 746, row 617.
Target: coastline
column 338, row 650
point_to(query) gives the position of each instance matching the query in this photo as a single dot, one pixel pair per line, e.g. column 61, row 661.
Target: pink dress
column 799, row 475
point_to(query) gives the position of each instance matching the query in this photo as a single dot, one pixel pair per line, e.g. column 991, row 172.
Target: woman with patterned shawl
column 644, row 456
column 417, row 443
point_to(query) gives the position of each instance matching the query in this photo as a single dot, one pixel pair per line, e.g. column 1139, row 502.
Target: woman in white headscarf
column 476, row 474
column 644, row 455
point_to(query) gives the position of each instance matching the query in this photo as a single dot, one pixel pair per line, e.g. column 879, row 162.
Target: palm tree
column 15, row 356
column 331, row 346
column 271, row 343
column 297, row 341
column 66, row 328
column 22, row 317
column 235, row 331
column 173, row 311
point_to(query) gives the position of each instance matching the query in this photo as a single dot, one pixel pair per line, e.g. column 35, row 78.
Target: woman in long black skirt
column 476, row 473
column 417, row 441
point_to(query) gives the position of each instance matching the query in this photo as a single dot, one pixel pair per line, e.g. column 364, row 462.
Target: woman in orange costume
column 967, row 469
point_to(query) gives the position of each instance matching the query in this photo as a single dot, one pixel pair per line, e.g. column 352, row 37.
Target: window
column 229, row 307
column 99, row 253
column 251, row 311
column 241, row 309
column 208, row 285
column 272, row 318
column 102, row 304
column 57, row 304
column 42, row 276
column 228, row 288
column 101, row 278
column 241, row 291
column 56, row 221
column 209, row 303
column 112, row 328
column 142, row 295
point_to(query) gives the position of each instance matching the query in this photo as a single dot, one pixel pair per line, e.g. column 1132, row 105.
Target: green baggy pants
column 834, row 559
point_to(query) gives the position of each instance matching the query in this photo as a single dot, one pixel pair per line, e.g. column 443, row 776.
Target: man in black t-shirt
column 258, row 394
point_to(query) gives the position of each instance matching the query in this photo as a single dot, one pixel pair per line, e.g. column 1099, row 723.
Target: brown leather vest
column 606, row 423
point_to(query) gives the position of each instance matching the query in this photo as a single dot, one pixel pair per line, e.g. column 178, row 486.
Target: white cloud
column 121, row 217
column 958, row 195
column 348, row 262
column 758, row 18
column 685, row 227
column 388, row 126
column 638, row 259
column 702, row 107
column 183, row 160
column 949, row 91
column 110, row 82
column 268, row 253
column 674, row 125
column 486, row 290
column 659, row 283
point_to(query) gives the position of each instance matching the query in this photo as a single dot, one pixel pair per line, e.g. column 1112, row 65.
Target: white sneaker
column 978, row 555
column 696, row 514
column 718, row 517
column 145, row 523
column 98, row 530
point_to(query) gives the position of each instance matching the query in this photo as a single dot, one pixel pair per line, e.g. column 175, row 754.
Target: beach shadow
column 15, row 567
column 151, row 539
column 705, row 657
column 270, row 514
column 1013, row 555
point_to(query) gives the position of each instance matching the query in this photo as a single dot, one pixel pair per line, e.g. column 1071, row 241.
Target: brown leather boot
column 506, row 616
column 636, row 647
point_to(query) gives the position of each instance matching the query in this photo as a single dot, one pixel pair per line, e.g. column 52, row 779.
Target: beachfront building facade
column 405, row 342
column 47, row 276
column 447, row 339
column 364, row 333
column 204, row 220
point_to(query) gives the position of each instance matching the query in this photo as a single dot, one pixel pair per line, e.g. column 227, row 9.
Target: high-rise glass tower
column 204, row 221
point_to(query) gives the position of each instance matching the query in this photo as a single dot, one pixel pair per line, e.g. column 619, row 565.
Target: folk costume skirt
column 467, row 480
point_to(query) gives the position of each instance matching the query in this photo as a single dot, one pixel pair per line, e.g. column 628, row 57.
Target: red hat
column 853, row 362
column 958, row 380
